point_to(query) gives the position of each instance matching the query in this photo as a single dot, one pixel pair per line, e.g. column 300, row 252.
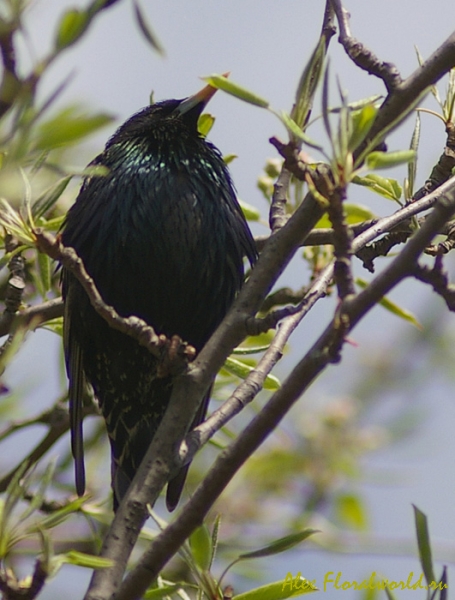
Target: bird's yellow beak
column 200, row 99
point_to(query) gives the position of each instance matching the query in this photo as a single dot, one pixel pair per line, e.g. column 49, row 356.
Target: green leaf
column 384, row 160
column 242, row 370
column 393, row 308
column 389, row 594
column 308, row 83
column 58, row 516
column 259, row 340
column 12, row 221
column 68, row 126
column 253, row 350
column 228, row 158
column 388, row 188
column 280, row 545
column 215, row 535
column 326, row 110
column 79, row 559
column 280, row 590
column 71, row 27
column 223, row 83
column 250, row 212
column 266, row 185
column 423, row 541
column 295, row 130
column 38, row 496
column 47, row 552
column 162, row 592
column 55, row 223
column 201, row 547
column 359, row 104
column 48, row 198
column 273, row 167
column 412, row 166
column 354, row 213
column 381, row 134
column 54, row 325
column 362, row 120
column 45, row 273
column 205, row 124
column 350, row 511
column 146, row 30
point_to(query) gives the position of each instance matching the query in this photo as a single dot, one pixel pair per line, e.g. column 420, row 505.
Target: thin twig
column 144, row 334
column 443, row 168
column 438, row 279
column 36, row 315
column 362, row 56
column 13, row 589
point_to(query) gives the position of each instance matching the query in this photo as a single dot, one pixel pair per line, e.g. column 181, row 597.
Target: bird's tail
column 125, row 466
column 175, row 485
column 175, row 488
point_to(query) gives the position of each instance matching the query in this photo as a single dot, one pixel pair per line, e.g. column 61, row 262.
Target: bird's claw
column 175, row 356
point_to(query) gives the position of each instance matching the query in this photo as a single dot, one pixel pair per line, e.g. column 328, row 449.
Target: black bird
column 162, row 235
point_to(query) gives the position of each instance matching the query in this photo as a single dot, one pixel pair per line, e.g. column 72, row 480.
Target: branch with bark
column 324, row 351
column 163, row 457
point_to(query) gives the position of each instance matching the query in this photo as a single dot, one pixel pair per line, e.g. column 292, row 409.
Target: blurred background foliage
column 308, row 475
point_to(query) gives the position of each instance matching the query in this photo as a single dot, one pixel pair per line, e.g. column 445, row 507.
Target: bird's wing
column 175, row 485
column 77, row 382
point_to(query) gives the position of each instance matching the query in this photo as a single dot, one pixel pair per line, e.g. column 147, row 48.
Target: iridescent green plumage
column 164, row 239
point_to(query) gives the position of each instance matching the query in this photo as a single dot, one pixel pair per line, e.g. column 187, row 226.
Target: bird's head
column 168, row 115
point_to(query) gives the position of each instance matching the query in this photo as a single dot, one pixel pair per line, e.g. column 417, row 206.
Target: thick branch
column 190, row 387
column 407, row 94
column 342, row 243
column 278, row 215
column 246, row 390
column 319, row 237
column 324, row 351
column 188, row 391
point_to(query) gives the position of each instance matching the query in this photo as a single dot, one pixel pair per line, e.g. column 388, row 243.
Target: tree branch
column 13, row 589
column 247, row 390
column 324, row 351
column 174, row 353
column 361, row 56
column 404, row 97
column 36, row 314
column 278, row 215
column 189, row 388
column 437, row 278
column 161, row 460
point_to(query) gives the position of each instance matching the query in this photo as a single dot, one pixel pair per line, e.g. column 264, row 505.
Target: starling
column 162, row 235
